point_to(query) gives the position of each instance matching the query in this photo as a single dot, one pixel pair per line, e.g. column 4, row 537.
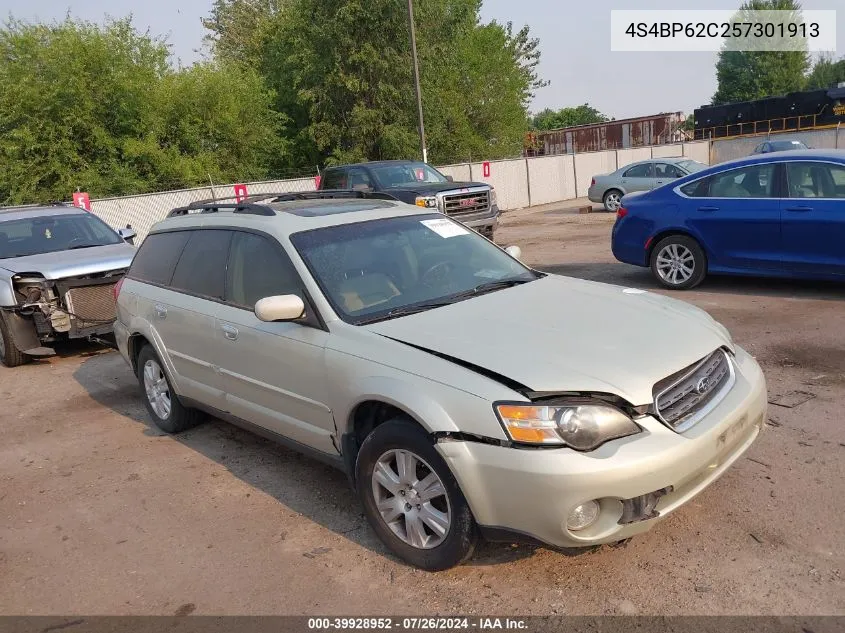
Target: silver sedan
column 642, row 176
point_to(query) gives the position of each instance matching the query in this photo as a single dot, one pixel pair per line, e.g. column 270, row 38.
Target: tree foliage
column 99, row 108
column 549, row 119
column 342, row 72
column 744, row 75
column 826, row 72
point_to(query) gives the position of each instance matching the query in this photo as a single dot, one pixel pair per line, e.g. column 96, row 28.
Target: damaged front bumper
column 49, row 311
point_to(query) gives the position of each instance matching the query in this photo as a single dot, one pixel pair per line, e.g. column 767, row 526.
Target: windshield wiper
column 73, row 248
column 406, row 310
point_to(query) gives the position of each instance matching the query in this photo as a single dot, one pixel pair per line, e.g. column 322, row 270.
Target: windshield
column 52, row 233
column 691, row 166
column 382, row 269
column 404, row 174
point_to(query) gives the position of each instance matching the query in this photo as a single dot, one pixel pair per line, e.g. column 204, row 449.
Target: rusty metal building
column 656, row 129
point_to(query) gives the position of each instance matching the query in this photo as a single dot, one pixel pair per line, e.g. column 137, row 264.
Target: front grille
column 91, row 304
column 684, row 397
column 466, row 203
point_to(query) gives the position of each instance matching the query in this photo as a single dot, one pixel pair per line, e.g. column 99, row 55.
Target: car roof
column 8, row 214
column 284, row 218
column 836, row 155
column 374, row 163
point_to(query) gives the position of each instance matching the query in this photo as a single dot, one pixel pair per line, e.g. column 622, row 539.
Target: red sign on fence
column 317, row 181
column 81, row 200
column 485, row 169
column 240, row 192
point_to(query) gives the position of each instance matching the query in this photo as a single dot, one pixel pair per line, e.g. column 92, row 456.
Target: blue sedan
column 778, row 215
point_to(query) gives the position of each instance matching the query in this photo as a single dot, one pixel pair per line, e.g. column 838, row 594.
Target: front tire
column 411, row 499
column 10, row 355
column 678, row 262
column 612, row 200
column 162, row 402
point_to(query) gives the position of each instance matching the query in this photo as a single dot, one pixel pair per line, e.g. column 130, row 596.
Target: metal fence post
column 528, row 181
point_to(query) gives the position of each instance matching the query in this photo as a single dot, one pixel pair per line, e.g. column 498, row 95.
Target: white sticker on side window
column 444, row 227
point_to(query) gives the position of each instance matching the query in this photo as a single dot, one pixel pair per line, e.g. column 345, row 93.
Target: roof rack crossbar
column 250, row 204
column 214, row 207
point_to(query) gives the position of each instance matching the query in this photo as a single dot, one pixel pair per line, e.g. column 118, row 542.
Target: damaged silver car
column 58, row 269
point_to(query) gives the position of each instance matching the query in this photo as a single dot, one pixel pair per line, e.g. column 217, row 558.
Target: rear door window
column 754, row 181
column 202, row 267
column 639, row 171
column 157, row 256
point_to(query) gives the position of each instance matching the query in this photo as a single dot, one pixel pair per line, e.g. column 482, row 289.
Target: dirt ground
column 100, row 513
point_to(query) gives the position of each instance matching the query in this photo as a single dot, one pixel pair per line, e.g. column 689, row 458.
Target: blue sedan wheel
column 678, row 262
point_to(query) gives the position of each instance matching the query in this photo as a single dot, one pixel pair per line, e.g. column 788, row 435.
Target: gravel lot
column 103, row 514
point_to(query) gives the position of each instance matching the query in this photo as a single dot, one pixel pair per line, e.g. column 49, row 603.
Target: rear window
column 202, row 268
column 156, row 258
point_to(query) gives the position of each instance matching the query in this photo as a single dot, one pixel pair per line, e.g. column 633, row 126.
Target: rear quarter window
column 156, row 258
column 333, row 179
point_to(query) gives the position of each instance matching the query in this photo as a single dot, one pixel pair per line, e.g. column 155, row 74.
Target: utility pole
column 417, row 81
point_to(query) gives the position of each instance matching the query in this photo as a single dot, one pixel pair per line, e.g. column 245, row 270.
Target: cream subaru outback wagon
column 464, row 393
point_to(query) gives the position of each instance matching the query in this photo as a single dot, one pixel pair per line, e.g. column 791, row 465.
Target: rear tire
column 678, row 262
column 612, row 200
column 161, row 401
column 428, row 525
column 10, row 355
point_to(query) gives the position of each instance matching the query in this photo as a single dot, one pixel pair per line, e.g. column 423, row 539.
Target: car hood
column 562, row 334
column 424, row 188
column 75, row 263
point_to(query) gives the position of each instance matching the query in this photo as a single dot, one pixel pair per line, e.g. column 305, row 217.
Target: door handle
column 708, row 209
column 231, row 333
column 161, row 311
column 799, row 209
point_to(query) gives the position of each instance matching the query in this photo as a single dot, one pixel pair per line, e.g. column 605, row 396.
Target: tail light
column 621, row 213
column 592, row 182
column 116, row 289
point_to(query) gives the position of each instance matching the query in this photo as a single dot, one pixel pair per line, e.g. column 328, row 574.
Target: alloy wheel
column 613, row 201
column 411, row 499
column 158, row 391
column 675, row 264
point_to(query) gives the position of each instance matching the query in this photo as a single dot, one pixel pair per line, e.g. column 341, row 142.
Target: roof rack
column 250, row 204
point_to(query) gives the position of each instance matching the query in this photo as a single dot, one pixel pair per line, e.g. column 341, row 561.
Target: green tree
column 826, row 72
column 549, row 119
column 342, row 72
column 744, row 75
column 100, row 108
column 238, row 28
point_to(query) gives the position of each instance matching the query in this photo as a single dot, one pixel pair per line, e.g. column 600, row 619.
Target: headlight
column 583, row 426
column 494, row 199
column 429, row 202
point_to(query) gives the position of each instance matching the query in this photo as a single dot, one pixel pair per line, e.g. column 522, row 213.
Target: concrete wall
column 589, row 165
column 729, row 149
column 551, row 178
column 667, row 151
column 520, row 182
column 509, row 177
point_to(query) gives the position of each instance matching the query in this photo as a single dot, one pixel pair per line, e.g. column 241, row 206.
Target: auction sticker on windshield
column 444, row 227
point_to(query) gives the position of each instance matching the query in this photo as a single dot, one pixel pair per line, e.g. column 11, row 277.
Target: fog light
column 583, row 516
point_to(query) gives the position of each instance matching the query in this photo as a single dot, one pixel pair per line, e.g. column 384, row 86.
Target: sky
column 574, row 40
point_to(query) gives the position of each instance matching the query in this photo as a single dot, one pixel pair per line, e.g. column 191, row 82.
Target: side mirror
column 514, row 251
column 449, row 178
column 280, row 308
column 128, row 234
